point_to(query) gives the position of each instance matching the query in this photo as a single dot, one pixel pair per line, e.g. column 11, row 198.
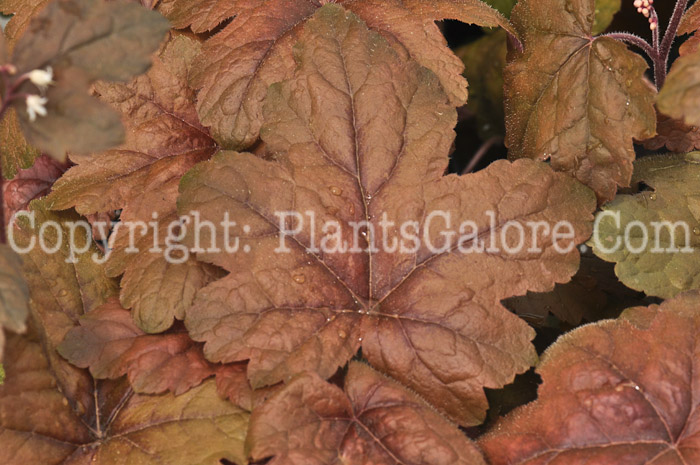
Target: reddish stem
column 661, row 65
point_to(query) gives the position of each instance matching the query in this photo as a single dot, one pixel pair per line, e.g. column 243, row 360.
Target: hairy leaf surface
column 141, row 177
column 374, row 420
column 575, row 99
column 665, row 260
column 432, row 320
column 602, row 402
column 240, row 62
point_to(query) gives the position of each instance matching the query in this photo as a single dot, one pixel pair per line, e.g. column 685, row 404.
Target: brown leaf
column 38, row 425
column 679, row 97
column 675, row 135
column 577, row 100
column 375, row 420
column 63, row 286
column 21, row 12
column 14, row 295
column 617, row 392
column 141, row 177
column 75, row 418
column 690, row 22
column 241, row 61
column 335, row 157
column 111, row 345
column 30, row 184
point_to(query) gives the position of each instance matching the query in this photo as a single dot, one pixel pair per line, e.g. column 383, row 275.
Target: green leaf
column 15, row 152
column 604, row 12
column 504, row 6
column 656, row 267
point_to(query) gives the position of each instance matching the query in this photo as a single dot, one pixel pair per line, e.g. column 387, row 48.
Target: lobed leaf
column 122, row 427
column 77, row 419
column 616, row 392
column 374, row 420
column 654, row 243
column 254, row 50
column 575, row 99
column 333, row 155
column 109, row 343
column 675, row 135
column 141, row 177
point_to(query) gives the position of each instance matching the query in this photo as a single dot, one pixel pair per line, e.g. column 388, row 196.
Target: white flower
column 42, row 79
column 36, row 106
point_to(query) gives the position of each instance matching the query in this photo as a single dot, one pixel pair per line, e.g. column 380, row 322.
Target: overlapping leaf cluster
column 348, row 111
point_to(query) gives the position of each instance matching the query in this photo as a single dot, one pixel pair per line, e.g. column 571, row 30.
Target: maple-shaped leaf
column 430, row 318
column 654, row 236
column 30, row 184
column 616, row 392
column 14, row 295
column 76, row 418
column 254, row 50
column 80, row 41
column 38, row 425
column 109, row 343
column 141, row 177
column 373, row 420
column 675, row 135
column 575, row 99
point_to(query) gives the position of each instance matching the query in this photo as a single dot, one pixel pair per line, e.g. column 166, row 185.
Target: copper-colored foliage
column 30, row 184
column 577, row 100
column 675, row 135
column 54, row 413
column 433, row 321
column 374, row 420
column 40, row 425
column 617, row 392
column 242, row 60
column 141, row 177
